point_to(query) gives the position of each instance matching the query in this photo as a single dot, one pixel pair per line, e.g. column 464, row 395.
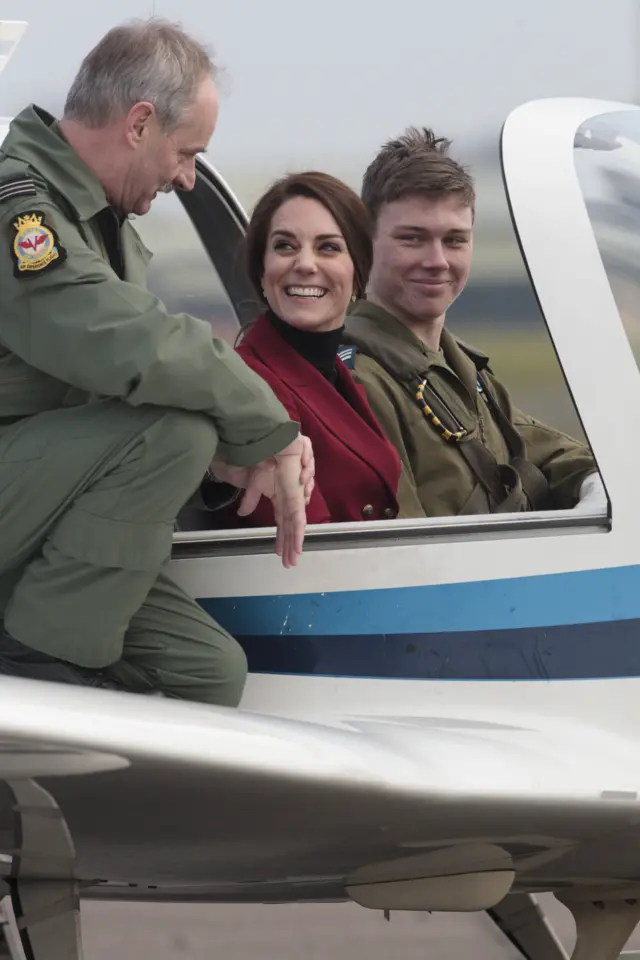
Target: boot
column 18, row 660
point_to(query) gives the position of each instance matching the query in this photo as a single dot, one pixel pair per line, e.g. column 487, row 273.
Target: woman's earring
column 354, row 298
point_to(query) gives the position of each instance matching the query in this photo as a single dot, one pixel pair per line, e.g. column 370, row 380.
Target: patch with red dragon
column 35, row 245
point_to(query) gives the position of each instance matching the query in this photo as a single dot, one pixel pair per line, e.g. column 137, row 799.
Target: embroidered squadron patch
column 35, row 245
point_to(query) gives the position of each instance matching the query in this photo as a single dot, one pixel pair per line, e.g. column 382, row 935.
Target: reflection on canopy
column 607, row 159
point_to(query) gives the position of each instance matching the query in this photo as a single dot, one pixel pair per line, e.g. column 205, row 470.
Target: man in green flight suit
column 465, row 448
column 112, row 411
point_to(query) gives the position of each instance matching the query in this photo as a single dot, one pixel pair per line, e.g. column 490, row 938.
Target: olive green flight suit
column 110, row 412
column 391, row 362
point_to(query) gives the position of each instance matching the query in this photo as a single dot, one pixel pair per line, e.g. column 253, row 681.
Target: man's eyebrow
column 416, row 229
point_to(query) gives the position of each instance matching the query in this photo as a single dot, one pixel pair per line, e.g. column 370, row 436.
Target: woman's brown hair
column 345, row 206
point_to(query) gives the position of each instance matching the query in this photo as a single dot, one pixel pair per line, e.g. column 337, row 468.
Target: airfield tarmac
column 299, row 932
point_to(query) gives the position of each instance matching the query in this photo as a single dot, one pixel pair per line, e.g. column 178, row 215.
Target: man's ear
column 138, row 121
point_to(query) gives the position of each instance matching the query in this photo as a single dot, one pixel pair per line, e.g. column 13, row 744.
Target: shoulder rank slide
column 35, row 245
column 22, row 186
column 348, row 356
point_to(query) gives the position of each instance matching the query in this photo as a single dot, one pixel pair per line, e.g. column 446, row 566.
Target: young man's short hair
column 415, row 164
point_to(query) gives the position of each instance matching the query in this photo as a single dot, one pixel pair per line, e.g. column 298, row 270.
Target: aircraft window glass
column 498, row 311
column 607, row 160
column 181, row 273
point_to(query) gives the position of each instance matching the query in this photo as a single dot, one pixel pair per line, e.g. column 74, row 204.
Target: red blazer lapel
column 362, row 432
column 344, row 412
column 275, row 353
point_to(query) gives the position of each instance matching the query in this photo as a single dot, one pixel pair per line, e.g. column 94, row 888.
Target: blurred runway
column 338, row 931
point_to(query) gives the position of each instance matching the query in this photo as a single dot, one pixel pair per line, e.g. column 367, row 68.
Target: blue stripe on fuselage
column 584, row 651
column 560, row 626
column 588, row 596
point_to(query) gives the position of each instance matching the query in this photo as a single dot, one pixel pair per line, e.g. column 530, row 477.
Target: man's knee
column 215, row 673
column 227, row 687
column 218, row 680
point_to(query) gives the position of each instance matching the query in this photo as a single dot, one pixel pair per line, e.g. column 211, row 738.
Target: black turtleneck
column 317, row 348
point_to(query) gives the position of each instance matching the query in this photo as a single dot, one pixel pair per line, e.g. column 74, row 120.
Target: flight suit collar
column 465, row 361
column 380, row 335
column 35, row 138
column 377, row 332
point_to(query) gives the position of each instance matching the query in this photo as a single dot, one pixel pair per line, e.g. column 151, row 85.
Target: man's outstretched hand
column 287, row 479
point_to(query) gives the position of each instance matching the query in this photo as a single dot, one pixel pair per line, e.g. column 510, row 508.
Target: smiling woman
column 308, row 271
column 308, row 254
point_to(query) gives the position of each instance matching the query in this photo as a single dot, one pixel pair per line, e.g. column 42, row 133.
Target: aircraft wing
column 152, row 798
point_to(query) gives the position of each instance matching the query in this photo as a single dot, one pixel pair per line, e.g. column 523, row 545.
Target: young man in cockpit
column 464, row 445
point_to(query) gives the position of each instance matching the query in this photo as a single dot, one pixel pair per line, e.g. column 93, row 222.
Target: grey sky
column 327, row 82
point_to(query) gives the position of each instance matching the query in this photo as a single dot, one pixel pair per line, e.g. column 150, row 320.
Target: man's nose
column 434, row 257
column 186, row 179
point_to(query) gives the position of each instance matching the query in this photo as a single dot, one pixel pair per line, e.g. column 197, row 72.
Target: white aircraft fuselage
column 439, row 713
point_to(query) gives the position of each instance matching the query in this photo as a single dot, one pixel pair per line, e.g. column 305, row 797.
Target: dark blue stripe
column 579, row 652
column 579, row 625
column 588, row 596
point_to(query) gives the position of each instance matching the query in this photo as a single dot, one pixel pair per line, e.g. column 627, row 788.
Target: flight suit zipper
column 483, row 436
column 460, row 426
column 482, row 392
column 454, row 419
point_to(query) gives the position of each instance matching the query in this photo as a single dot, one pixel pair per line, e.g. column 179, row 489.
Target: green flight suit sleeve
column 564, row 461
column 78, row 322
